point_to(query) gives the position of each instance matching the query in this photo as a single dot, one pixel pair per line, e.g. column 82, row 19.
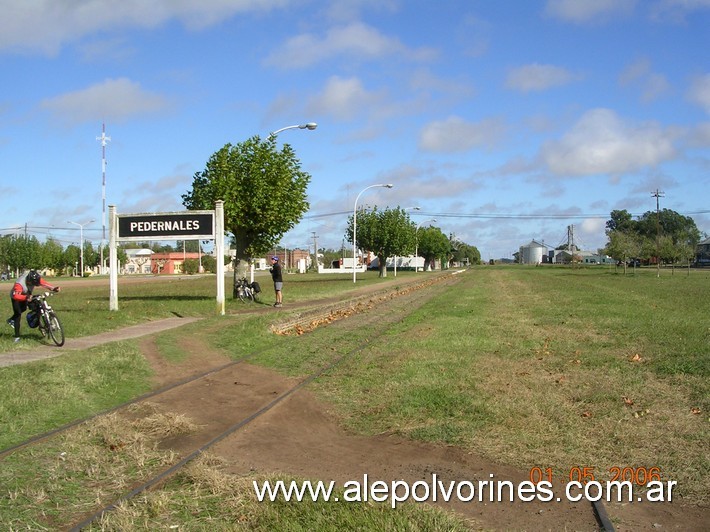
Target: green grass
column 533, row 367
column 37, row 397
column 84, row 310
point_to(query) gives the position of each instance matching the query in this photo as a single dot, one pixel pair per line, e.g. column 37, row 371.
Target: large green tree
column 464, row 253
column 621, row 220
column 23, row 253
column 665, row 235
column 264, row 194
column 386, row 233
column 432, row 245
column 53, row 255
column 667, row 222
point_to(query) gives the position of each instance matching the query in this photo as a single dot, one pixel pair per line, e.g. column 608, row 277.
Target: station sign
column 186, row 225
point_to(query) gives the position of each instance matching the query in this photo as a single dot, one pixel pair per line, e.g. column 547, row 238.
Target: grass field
column 534, row 367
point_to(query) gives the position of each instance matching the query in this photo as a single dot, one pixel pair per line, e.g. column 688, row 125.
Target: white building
column 138, row 261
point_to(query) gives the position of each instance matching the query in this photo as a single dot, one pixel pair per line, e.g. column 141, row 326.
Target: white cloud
column 699, row 92
column 344, row 99
column 584, row 11
column 536, row 77
column 356, row 40
column 700, row 135
column 347, row 10
column 114, row 99
column 425, row 80
column 652, row 84
column 457, row 135
column 415, row 185
column 46, row 25
column 635, row 71
column 600, row 142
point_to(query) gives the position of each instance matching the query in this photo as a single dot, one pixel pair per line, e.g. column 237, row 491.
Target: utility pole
column 103, row 138
column 658, row 194
column 315, row 249
column 570, row 242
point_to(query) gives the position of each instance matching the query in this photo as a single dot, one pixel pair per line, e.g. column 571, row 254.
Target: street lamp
column 355, row 223
column 416, row 247
column 310, row 126
column 395, row 256
column 81, row 241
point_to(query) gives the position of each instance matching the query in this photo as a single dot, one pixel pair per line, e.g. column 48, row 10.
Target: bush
column 191, row 266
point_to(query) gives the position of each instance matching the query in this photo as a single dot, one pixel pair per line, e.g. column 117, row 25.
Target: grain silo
column 532, row 253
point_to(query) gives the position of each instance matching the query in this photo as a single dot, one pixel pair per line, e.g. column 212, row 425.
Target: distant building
column 170, row 263
column 290, row 258
column 563, row 256
column 702, row 254
column 138, row 261
column 587, row 257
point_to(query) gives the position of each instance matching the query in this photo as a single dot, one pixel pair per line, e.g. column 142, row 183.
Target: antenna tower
column 104, row 139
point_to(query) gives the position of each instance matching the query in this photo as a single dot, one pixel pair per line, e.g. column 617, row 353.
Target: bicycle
column 47, row 320
column 246, row 291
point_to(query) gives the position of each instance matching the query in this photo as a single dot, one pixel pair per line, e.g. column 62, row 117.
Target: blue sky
column 505, row 121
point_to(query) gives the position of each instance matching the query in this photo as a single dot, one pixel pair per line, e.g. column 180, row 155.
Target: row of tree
column 663, row 236
column 390, row 233
column 264, row 191
column 18, row 253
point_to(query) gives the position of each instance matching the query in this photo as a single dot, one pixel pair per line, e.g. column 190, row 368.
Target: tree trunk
column 241, row 269
column 382, row 266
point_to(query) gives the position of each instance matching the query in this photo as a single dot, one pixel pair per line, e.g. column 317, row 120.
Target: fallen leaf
column 695, row 410
column 636, row 358
column 586, row 413
column 627, row 401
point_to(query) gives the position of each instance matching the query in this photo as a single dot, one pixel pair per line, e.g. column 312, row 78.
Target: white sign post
column 184, row 225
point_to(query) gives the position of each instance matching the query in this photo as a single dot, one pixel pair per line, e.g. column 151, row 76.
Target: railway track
column 376, row 323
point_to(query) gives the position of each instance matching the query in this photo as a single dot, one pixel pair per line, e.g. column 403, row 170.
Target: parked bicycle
column 42, row 315
column 245, row 290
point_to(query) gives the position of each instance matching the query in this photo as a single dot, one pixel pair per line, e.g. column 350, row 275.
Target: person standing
column 21, row 295
column 277, row 277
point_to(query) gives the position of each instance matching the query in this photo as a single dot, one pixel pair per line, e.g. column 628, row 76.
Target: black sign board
column 188, row 225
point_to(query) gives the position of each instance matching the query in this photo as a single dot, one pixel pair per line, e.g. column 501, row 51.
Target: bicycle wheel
column 55, row 329
column 241, row 294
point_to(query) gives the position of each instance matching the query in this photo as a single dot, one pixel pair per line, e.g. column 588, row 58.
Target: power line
column 503, row 216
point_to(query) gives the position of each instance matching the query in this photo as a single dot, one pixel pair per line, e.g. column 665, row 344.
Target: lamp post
column 389, row 185
column 416, row 238
column 310, row 126
column 81, row 242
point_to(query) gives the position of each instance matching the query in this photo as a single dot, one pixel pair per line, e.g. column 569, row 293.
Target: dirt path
column 41, row 352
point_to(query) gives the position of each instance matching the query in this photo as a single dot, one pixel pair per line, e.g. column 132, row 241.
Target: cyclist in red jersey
column 21, row 295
